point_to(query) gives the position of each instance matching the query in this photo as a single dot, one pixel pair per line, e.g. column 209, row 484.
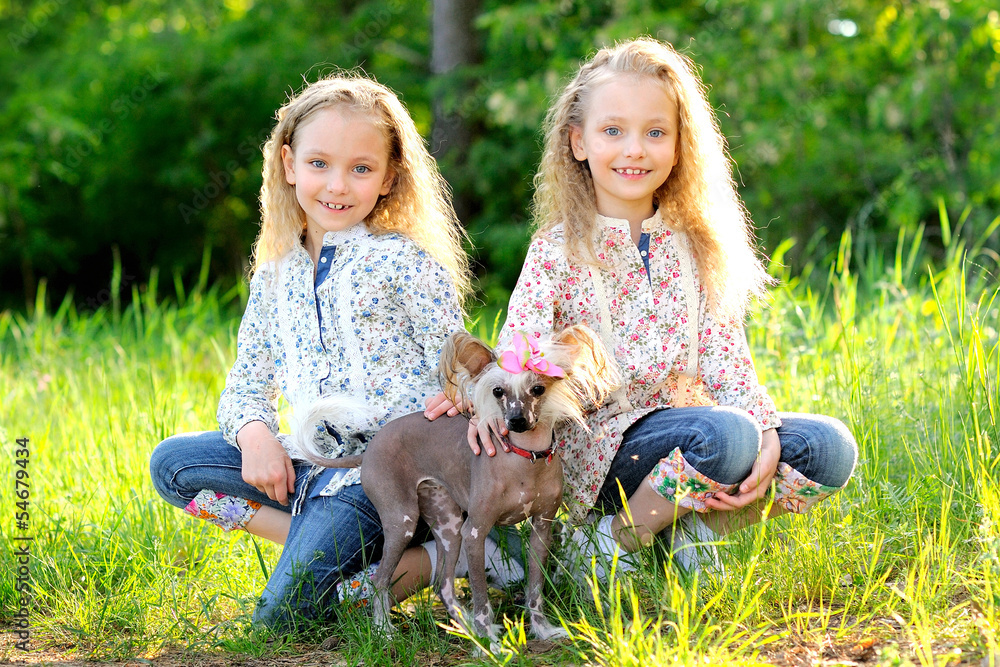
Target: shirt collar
column 351, row 234
column 650, row 225
column 332, row 239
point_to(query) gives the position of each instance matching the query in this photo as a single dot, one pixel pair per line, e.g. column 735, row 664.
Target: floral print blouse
column 648, row 333
column 372, row 329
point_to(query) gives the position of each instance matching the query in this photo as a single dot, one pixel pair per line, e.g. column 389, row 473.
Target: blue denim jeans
column 329, row 539
column 721, row 443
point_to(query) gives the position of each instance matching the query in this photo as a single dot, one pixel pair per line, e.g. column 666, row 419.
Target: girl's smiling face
column 629, row 138
column 339, row 167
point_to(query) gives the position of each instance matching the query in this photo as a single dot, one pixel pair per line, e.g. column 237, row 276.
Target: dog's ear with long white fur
column 463, row 358
column 594, row 372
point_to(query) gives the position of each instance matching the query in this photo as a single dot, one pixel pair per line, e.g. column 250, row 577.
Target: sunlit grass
column 904, row 350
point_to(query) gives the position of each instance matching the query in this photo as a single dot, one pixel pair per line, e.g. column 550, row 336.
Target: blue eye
column 319, row 164
column 612, row 132
column 656, row 134
column 361, row 169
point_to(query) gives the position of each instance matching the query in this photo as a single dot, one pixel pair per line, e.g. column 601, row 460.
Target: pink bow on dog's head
column 524, row 355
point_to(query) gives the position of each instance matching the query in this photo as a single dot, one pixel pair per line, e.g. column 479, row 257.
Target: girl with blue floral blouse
column 358, row 279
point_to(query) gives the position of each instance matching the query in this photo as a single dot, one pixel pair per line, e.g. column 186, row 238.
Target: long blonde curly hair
column 418, row 205
column 699, row 197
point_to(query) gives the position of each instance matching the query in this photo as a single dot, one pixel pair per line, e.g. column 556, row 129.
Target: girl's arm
column 728, row 372
column 532, row 305
column 251, row 391
column 730, row 378
column 428, row 296
column 247, row 409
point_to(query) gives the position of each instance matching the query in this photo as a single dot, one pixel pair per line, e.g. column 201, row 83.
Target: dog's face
column 526, row 399
column 519, row 399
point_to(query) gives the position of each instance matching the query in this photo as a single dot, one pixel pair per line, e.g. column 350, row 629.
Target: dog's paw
column 383, row 625
column 548, row 631
column 387, row 631
column 495, row 648
column 460, row 615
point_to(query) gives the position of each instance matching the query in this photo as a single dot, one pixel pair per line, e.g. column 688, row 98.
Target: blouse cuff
column 763, row 410
column 769, row 422
column 230, row 435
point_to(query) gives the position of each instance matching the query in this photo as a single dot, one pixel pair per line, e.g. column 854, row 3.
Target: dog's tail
column 351, row 415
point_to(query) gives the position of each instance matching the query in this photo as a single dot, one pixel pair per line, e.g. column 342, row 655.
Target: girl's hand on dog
column 757, row 484
column 266, row 464
column 440, row 404
column 487, row 432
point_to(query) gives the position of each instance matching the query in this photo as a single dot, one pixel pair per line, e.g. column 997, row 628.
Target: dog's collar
column 529, row 454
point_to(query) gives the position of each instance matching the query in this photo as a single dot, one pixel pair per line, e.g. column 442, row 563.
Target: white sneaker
column 592, row 549
column 502, row 569
column 693, row 546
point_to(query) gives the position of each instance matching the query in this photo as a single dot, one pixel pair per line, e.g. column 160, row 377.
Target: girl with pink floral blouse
column 641, row 236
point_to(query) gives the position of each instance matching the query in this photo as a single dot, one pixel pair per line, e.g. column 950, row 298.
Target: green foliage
column 907, row 352
column 828, row 131
column 139, row 123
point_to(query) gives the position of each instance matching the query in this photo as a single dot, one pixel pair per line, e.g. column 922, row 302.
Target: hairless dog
column 416, row 468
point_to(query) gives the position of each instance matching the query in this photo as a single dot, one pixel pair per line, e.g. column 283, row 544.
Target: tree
column 139, row 123
column 454, row 50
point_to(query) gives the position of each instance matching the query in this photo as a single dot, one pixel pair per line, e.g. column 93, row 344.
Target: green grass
column 904, row 349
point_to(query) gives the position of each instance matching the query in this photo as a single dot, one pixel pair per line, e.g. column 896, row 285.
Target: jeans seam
column 803, row 447
column 348, row 499
column 173, row 478
column 338, row 570
column 837, row 443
